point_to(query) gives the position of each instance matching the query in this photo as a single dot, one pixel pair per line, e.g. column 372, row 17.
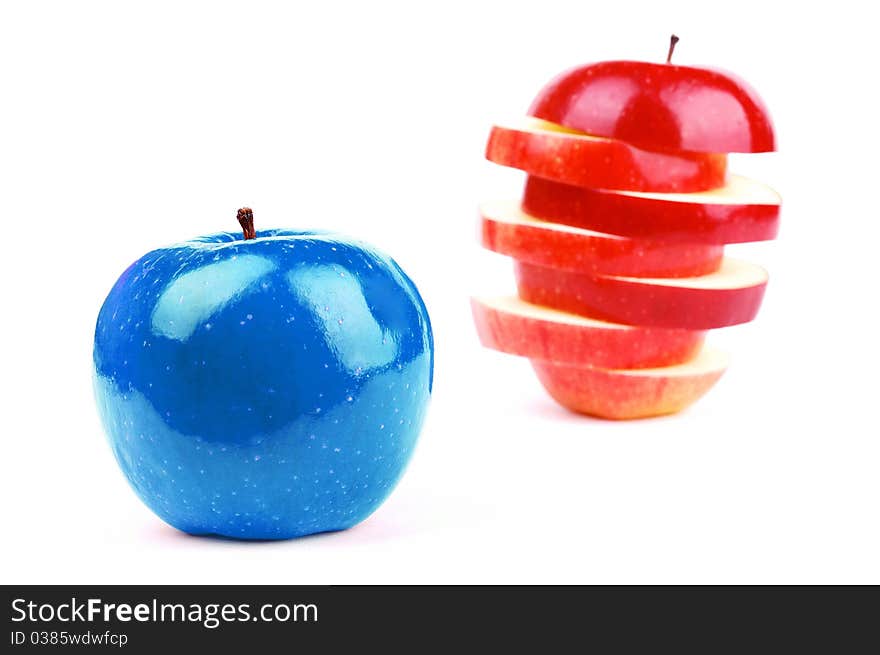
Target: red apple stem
column 672, row 41
column 246, row 220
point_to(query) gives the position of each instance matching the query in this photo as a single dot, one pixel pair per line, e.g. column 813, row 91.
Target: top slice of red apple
column 661, row 107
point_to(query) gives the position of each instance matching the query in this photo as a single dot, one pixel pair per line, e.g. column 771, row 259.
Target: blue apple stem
column 672, row 41
column 246, row 220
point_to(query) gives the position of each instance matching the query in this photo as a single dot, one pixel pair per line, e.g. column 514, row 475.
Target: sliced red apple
column 557, row 153
column 740, row 211
column 729, row 296
column 506, row 229
column 630, row 394
column 512, row 326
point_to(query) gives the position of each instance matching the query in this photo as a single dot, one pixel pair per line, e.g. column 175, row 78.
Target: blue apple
column 263, row 387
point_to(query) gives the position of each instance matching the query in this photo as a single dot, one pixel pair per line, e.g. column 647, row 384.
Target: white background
column 127, row 126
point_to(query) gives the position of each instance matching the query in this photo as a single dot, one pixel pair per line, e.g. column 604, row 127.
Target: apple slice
column 557, row 153
column 740, row 211
column 512, row 326
column 629, row 394
column 729, row 296
column 506, row 229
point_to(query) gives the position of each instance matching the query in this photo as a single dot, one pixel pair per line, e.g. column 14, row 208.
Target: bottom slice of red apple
column 631, row 393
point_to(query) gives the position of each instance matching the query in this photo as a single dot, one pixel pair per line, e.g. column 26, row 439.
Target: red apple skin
column 601, row 345
column 661, row 107
column 590, row 252
column 615, row 395
column 603, row 163
column 649, row 218
column 630, row 301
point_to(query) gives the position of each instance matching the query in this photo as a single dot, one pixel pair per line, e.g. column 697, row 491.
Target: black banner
column 620, row 619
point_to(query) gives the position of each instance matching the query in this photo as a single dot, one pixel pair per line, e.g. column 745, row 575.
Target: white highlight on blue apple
column 338, row 303
column 195, row 296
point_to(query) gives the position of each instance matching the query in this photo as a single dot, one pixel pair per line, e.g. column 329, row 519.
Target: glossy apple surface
column 263, row 389
column 554, row 153
column 505, row 229
column 519, row 328
column 741, row 211
column 631, row 394
column 661, row 107
column 729, row 296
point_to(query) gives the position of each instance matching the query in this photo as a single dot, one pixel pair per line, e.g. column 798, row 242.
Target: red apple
column 507, row 230
column 630, row 394
column 659, row 107
column 729, row 296
column 519, row 328
column 549, row 151
column 742, row 210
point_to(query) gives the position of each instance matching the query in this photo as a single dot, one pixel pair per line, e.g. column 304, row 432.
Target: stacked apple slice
column 618, row 239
